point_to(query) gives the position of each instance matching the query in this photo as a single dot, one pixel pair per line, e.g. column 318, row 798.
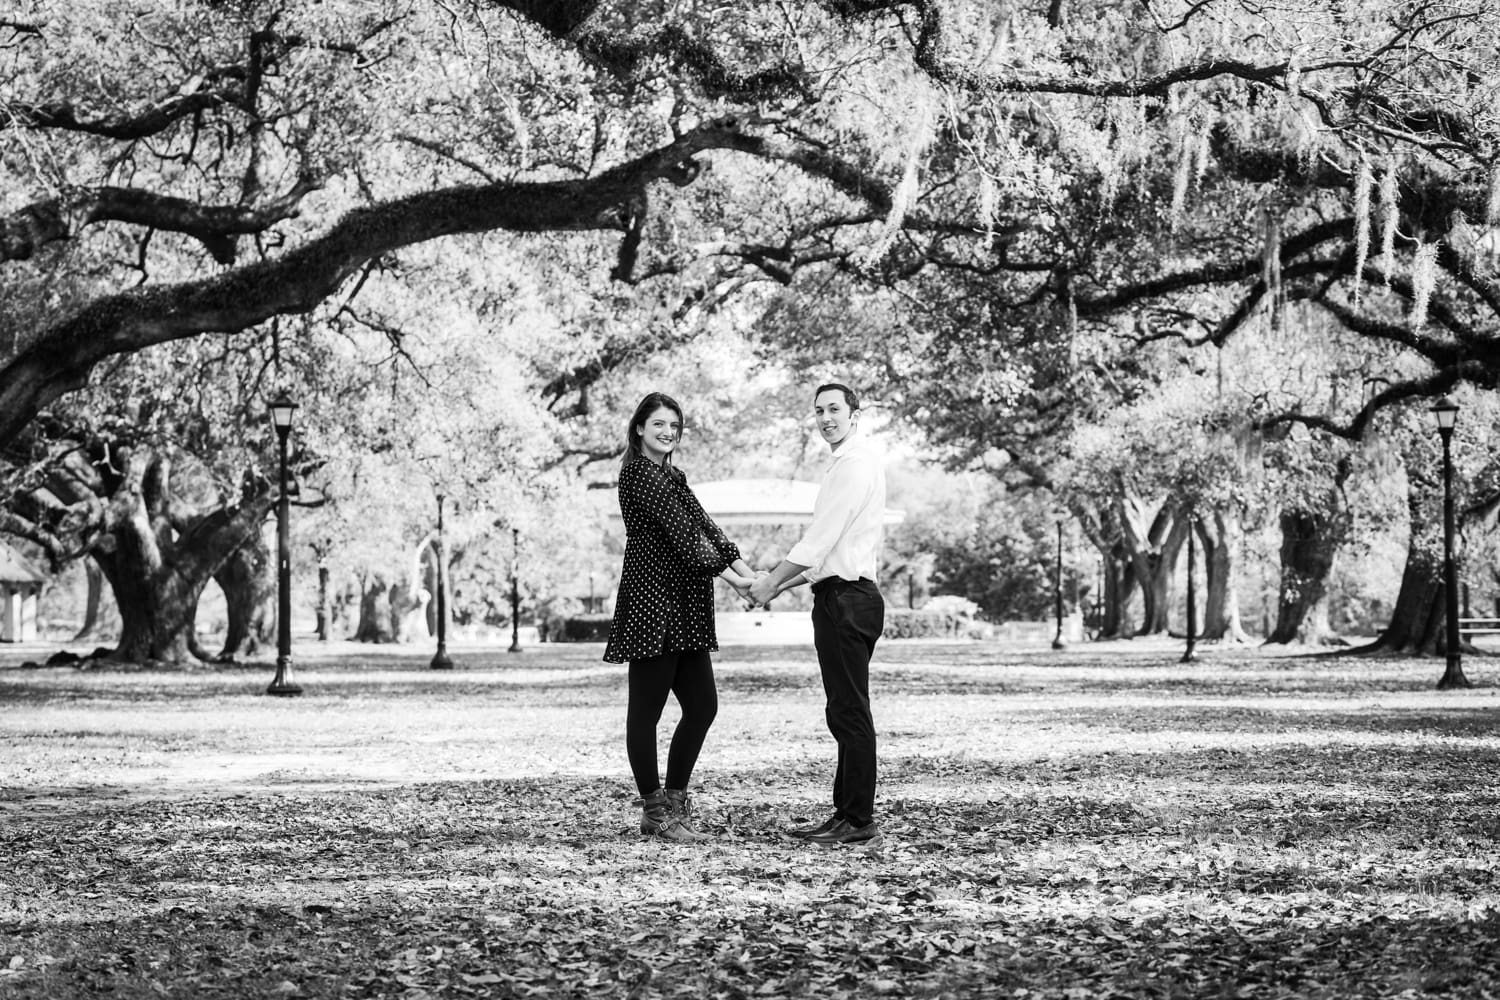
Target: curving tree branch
column 28, row 229
column 1478, row 372
column 65, row 116
column 59, row 360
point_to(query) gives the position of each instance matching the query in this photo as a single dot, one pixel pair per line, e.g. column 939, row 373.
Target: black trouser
column 847, row 618
column 690, row 676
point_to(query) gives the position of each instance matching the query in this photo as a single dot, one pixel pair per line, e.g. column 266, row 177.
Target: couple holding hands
column 664, row 612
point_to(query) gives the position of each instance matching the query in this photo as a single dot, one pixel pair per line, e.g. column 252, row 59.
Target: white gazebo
column 765, row 501
column 20, row 583
column 761, row 501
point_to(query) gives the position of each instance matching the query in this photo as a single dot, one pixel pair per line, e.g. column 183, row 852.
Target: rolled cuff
column 811, row 556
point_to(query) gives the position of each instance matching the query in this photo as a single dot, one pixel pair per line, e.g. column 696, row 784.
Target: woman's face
column 659, row 434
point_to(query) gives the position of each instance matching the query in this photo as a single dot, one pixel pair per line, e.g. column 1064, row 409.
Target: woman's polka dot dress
column 673, row 551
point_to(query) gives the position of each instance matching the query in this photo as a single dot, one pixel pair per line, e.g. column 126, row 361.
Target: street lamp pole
column 1188, row 655
column 1446, row 412
column 440, row 659
column 282, row 409
column 1057, row 640
column 515, row 590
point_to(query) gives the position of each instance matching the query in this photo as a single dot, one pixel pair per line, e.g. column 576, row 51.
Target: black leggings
column 690, row 676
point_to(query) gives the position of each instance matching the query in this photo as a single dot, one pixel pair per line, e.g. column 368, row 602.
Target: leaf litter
column 1049, row 832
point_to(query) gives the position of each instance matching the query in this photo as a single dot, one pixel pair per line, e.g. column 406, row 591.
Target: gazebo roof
column 765, row 501
column 16, row 568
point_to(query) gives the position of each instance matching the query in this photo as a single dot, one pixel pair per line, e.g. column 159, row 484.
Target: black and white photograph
column 682, row 500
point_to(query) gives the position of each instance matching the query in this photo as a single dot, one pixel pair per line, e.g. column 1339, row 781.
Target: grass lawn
column 1099, row 822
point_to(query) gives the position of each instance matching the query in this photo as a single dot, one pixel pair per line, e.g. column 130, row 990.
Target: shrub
column 904, row 623
column 953, row 605
column 580, row 628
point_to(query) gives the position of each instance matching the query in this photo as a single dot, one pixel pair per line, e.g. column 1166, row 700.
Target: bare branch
column 1354, row 429
column 448, row 154
column 28, row 229
column 224, row 87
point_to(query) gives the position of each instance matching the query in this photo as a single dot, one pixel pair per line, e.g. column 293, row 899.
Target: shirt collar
column 854, row 442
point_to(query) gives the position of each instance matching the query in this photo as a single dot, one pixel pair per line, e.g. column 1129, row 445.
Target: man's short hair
column 849, row 397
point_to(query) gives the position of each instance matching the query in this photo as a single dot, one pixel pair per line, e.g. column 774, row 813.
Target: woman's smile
column 660, row 434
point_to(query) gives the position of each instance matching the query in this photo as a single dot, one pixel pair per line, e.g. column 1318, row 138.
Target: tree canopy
column 996, row 214
column 1077, row 155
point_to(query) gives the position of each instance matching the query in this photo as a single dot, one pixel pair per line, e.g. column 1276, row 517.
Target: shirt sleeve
column 843, row 494
column 659, row 502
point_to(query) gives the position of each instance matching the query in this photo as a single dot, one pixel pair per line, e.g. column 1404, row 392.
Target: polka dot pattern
column 673, row 551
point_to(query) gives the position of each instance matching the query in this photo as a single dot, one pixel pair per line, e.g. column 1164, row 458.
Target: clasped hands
column 756, row 592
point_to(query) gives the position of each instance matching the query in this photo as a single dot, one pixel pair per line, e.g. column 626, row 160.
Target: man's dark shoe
column 803, row 832
column 845, row 833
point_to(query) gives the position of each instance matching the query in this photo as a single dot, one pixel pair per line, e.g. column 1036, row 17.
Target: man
column 838, row 555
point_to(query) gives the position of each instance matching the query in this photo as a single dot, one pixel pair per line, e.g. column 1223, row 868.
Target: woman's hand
column 738, row 582
column 741, row 585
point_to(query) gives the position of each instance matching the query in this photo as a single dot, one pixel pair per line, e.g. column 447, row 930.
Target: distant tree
column 161, row 489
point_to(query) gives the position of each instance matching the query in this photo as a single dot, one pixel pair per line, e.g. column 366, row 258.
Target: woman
column 664, row 613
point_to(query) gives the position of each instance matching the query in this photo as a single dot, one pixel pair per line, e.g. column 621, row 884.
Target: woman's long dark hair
column 653, row 402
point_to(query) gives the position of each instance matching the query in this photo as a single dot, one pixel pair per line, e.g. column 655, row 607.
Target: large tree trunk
column 1152, row 538
column 156, row 568
column 246, row 580
column 1119, row 580
column 375, row 623
column 1220, row 535
column 1115, row 600
column 1418, row 619
column 324, row 610
column 155, row 622
column 1316, row 628
column 1310, row 539
column 93, row 600
column 1309, row 545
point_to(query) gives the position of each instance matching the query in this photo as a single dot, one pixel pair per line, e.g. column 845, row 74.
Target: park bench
column 1479, row 626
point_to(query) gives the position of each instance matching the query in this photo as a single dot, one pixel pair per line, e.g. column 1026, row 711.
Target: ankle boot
column 658, row 819
column 682, row 810
column 656, row 812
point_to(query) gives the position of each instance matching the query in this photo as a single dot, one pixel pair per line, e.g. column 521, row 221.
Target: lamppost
column 440, row 659
column 1446, row 412
column 1188, row 656
column 515, row 590
column 282, row 409
column 1057, row 640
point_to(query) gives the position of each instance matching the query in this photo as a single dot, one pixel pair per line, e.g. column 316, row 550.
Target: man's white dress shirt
column 848, row 517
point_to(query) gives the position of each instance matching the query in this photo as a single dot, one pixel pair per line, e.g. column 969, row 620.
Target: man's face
column 835, row 419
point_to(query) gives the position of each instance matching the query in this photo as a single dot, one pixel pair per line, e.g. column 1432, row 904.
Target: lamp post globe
column 1445, row 415
column 282, row 409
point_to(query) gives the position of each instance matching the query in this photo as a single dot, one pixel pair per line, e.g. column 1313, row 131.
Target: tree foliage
column 996, row 214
